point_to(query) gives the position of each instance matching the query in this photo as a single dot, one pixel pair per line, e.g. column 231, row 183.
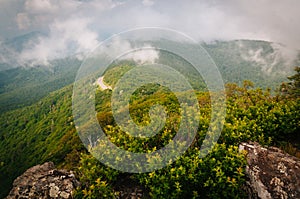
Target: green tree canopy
column 294, row 85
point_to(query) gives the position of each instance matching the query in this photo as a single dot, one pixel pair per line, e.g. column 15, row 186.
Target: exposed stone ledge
column 44, row 181
column 272, row 173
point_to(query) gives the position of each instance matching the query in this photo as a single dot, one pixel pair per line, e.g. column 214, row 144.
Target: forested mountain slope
column 25, row 85
column 37, row 133
column 45, row 132
column 261, row 62
column 43, row 128
column 264, row 63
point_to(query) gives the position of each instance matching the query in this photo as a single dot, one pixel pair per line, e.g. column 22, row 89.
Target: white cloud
column 65, row 38
column 41, row 6
column 8, row 55
column 144, row 55
column 70, row 27
column 206, row 20
column 281, row 56
column 23, row 21
column 148, row 2
column 121, row 49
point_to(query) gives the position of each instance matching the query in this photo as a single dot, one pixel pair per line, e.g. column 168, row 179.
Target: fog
column 71, row 27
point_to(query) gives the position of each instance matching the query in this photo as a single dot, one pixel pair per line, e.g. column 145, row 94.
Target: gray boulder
column 44, row 181
column 271, row 172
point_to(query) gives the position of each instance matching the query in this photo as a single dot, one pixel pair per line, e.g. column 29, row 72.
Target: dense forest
column 45, row 131
column 24, row 86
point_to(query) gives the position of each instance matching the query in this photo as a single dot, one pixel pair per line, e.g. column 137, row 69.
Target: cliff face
column 44, row 181
column 272, row 173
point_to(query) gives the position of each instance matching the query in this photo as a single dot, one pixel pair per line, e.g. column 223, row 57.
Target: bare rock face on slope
column 272, row 173
column 44, row 181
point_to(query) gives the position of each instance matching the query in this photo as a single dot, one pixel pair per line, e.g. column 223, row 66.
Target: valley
column 37, row 125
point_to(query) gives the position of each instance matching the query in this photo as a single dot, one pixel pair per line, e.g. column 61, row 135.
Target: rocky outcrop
column 44, row 181
column 271, row 172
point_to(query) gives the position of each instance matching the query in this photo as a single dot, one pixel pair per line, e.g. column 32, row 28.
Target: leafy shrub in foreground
column 218, row 175
column 96, row 180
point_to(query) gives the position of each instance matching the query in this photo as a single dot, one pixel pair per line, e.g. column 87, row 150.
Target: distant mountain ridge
column 264, row 63
column 45, row 130
column 10, row 49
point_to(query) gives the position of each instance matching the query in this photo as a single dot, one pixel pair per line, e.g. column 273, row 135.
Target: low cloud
column 9, row 56
column 121, row 49
column 66, row 38
column 281, row 57
column 275, row 21
column 145, row 55
column 23, row 21
column 148, row 2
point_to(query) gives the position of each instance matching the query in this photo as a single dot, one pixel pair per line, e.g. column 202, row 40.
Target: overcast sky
column 85, row 23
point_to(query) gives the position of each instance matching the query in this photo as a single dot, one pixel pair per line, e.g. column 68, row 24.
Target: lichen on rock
column 44, row 181
column 271, row 172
